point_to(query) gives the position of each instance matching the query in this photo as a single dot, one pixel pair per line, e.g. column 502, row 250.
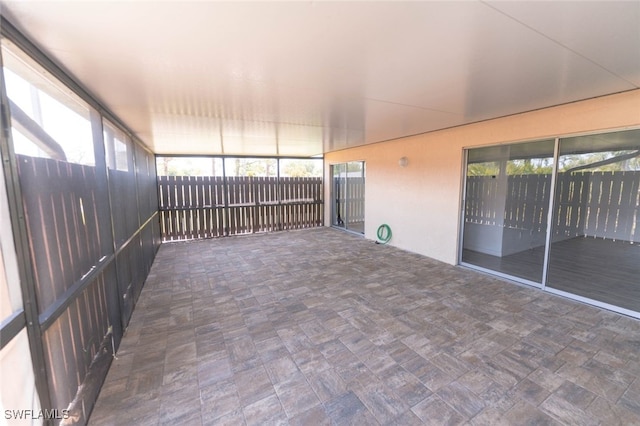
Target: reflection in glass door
column 506, row 208
column 594, row 244
column 347, row 195
column 591, row 251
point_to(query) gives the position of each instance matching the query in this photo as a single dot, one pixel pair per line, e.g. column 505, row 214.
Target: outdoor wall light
column 403, row 162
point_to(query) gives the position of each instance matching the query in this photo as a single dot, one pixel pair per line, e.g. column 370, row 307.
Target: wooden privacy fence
column 595, row 204
column 60, row 208
column 194, row 207
column 76, row 280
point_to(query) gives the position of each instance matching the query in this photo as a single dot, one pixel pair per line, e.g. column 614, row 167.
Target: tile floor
column 322, row 327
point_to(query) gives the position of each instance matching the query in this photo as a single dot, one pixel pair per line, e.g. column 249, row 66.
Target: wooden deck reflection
column 599, row 269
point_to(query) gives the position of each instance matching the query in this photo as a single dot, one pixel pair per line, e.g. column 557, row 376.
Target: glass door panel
column 506, row 208
column 355, row 196
column 339, row 193
column 594, row 249
column 347, row 195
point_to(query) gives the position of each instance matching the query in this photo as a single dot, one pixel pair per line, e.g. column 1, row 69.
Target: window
column 189, row 166
column 10, row 293
column 47, row 119
column 301, row 168
column 258, row 167
column 116, row 145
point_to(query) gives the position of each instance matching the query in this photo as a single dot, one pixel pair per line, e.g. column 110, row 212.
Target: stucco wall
column 421, row 202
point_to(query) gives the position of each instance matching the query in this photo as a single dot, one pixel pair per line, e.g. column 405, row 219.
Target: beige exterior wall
column 421, row 202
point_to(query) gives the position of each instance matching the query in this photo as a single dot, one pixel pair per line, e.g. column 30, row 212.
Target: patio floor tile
column 324, row 327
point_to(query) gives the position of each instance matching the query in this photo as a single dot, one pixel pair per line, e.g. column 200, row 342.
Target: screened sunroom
column 320, row 212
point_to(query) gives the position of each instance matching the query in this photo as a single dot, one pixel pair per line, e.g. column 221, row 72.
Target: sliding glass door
column 506, row 208
column 347, row 195
column 592, row 249
column 595, row 246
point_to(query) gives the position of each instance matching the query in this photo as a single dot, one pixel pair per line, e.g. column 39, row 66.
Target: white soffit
column 303, row 78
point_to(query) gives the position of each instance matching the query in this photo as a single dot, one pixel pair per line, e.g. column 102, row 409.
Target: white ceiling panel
column 604, row 32
column 303, row 78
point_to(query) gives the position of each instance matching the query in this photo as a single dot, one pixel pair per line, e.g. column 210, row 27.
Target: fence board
column 595, row 191
column 196, row 208
column 614, row 204
column 604, row 203
column 629, row 202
